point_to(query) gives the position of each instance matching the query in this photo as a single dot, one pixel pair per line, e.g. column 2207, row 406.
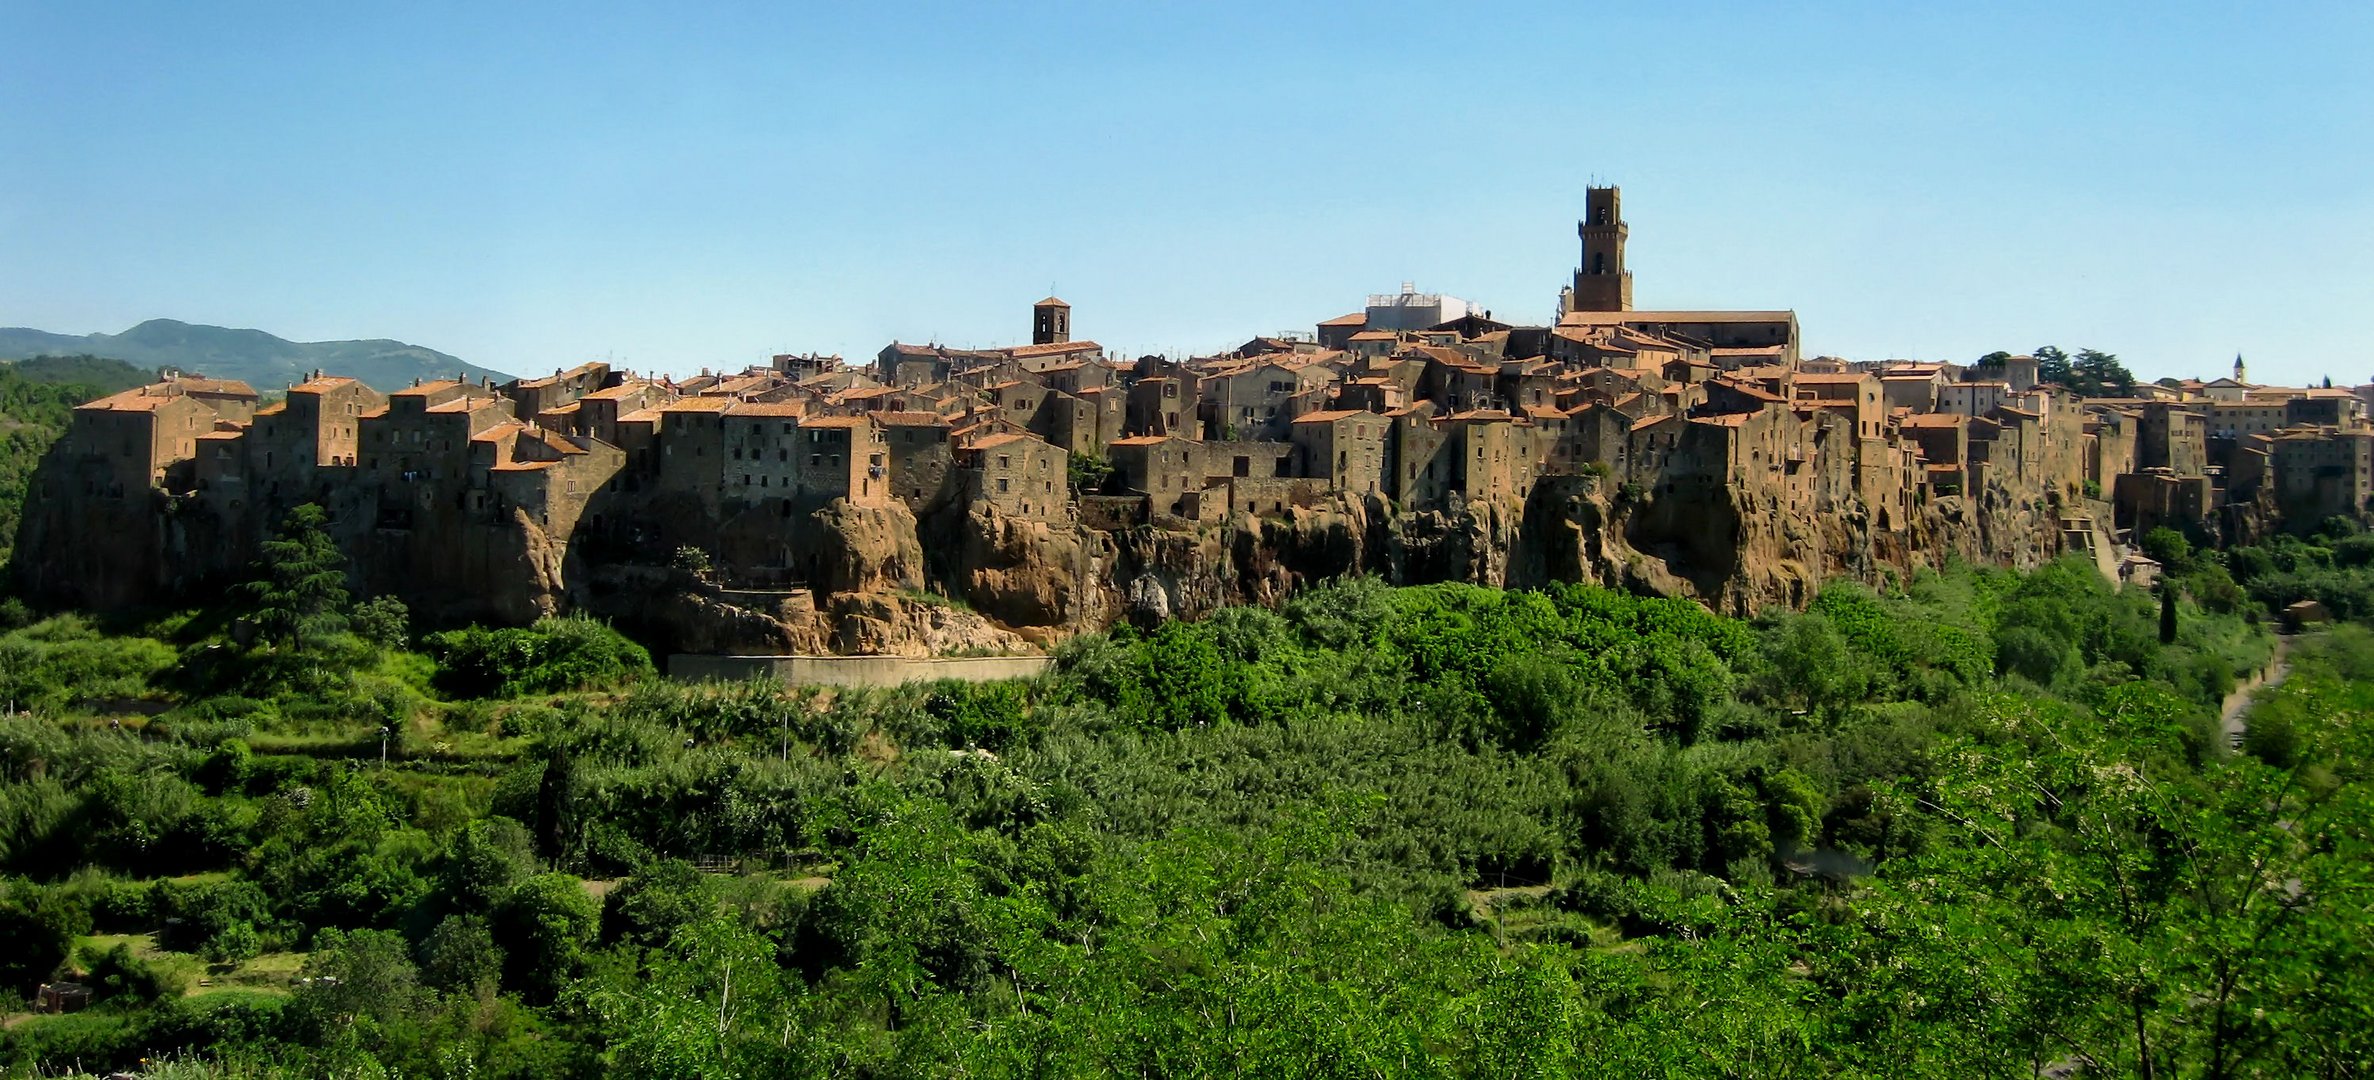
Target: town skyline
column 529, row 191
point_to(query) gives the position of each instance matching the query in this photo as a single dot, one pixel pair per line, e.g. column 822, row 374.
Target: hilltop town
column 940, row 498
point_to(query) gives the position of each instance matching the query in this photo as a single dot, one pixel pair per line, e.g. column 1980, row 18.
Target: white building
column 1410, row 309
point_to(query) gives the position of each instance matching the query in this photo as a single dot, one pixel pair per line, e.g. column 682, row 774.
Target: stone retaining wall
column 854, row 670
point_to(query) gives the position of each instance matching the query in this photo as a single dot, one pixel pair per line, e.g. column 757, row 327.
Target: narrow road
column 2237, row 704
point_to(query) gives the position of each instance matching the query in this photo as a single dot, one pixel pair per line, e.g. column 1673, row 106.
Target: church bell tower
column 1050, row 322
column 1601, row 283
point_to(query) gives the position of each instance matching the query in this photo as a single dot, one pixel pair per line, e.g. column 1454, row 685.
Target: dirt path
column 2238, row 703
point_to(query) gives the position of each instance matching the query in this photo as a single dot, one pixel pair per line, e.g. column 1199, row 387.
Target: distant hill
column 264, row 361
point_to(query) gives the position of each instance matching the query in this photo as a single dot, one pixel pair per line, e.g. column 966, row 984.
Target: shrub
column 119, row 974
column 554, row 655
column 383, row 621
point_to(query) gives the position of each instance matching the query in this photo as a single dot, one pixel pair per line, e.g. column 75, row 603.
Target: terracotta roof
column 1612, row 318
column 321, row 384
column 699, row 404
column 1933, row 420
column 1831, row 378
column 640, row 416
column 1055, row 349
column 1140, row 440
column 1375, row 335
column 996, row 439
column 548, row 380
column 1329, row 416
column 1051, row 302
column 910, row 419
column 1357, row 318
column 757, row 410
column 425, row 389
column 197, row 384
column 499, row 432
column 1756, row 392
column 620, row 391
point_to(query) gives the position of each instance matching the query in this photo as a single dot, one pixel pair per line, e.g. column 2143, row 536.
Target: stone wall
column 854, row 670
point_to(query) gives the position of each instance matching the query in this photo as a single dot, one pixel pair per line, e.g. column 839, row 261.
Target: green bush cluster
column 1442, row 830
column 554, row 655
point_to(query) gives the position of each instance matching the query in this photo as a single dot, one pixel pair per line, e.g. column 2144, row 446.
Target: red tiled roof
column 1054, row 349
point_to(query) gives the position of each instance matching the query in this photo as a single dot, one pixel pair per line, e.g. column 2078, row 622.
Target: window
column 1001, row 485
column 1005, row 461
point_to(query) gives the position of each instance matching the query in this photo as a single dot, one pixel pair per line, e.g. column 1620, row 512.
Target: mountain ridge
column 262, row 359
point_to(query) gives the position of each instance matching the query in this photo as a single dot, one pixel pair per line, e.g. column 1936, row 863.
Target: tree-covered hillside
column 1983, row 825
column 263, row 360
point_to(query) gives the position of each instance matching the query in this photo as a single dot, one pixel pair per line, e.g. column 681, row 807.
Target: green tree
column 36, row 935
column 649, row 907
column 300, row 596
column 460, row 956
column 2099, row 374
column 546, row 924
column 383, row 621
column 2052, row 365
column 358, row 973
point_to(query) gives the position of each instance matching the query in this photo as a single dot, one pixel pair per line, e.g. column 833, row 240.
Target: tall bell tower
column 1050, row 322
column 1601, row 283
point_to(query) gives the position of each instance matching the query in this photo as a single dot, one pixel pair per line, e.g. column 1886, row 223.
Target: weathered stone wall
column 854, row 670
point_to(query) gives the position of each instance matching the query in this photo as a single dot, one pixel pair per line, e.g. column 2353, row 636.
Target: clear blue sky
column 533, row 185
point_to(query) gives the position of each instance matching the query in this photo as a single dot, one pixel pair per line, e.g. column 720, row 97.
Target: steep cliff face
column 878, row 580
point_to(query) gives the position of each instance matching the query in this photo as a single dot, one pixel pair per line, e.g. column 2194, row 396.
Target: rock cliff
column 881, row 580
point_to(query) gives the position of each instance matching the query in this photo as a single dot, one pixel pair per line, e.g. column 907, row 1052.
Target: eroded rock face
column 877, row 580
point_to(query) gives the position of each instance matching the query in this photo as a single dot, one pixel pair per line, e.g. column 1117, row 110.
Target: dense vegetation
column 37, row 397
column 1982, row 824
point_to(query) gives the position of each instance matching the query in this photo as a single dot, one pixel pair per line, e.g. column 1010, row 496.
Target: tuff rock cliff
column 883, row 580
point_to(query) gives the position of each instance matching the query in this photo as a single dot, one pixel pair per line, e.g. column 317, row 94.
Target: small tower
column 1601, row 283
column 1050, row 322
column 2240, row 373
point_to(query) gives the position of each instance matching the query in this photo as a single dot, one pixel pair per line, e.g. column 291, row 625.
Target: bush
column 383, row 621
column 553, row 656
column 120, row 975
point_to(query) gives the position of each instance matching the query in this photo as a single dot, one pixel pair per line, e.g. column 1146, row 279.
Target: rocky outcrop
column 846, row 579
